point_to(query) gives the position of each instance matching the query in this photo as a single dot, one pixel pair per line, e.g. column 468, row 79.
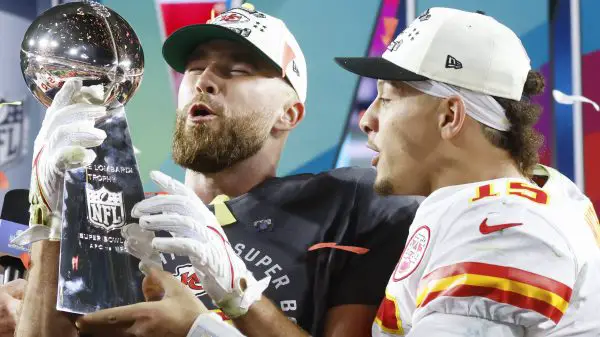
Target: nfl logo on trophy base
column 105, row 208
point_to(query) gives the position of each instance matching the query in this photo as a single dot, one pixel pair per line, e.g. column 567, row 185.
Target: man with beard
column 319, row 244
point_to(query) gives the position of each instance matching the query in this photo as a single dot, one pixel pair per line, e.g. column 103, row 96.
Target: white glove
column 63, row 143
column 197, row 234
column 211, row 325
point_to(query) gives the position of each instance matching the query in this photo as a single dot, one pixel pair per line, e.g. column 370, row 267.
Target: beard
column 205, row 148
column 384, row 187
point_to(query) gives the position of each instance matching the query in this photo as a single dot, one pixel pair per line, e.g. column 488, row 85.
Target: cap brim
column 178, row 47
column 377, row 67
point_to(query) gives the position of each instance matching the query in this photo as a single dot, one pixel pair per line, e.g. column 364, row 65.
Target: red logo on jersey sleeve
column 413, row 253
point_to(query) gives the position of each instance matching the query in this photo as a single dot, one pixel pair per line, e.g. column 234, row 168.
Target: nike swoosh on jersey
column 485, row 229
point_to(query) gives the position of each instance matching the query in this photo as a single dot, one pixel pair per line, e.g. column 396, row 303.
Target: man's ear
column 451, row 116
column 293, row 114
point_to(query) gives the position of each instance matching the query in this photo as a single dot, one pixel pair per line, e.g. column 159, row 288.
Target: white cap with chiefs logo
column 267, row 34
column 466, row 49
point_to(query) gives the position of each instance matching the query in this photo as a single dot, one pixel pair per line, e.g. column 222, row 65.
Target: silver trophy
column 85, row 40
column 89, row 41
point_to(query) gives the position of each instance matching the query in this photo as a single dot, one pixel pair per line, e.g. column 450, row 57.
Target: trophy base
column 95, row 271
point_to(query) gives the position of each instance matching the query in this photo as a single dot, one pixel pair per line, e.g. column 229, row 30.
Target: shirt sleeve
column 381, row 225
column 504, row 262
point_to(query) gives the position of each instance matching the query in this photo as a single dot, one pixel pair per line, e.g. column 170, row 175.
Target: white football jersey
column 503, row 250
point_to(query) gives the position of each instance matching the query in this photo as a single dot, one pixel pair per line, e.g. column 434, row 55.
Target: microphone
column 13, row 220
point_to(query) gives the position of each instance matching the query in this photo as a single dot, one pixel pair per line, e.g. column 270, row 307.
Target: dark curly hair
column 522, row 141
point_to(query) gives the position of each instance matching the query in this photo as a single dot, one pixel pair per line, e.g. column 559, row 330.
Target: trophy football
column 89, row 41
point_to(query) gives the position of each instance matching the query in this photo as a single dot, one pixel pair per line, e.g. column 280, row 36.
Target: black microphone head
column 16, row 206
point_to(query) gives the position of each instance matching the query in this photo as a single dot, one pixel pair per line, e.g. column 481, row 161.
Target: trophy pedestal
column 95, row 271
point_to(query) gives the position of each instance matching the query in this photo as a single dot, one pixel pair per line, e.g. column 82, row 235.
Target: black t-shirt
column 279, row 220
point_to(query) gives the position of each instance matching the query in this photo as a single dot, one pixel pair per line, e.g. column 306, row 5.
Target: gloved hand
column 197, row 234
column 63, row 143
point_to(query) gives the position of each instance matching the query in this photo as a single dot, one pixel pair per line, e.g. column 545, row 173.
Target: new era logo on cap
column 453, row 63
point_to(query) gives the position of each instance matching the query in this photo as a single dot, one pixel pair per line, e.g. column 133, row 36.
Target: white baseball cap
column 266, row 34
column 466, row 49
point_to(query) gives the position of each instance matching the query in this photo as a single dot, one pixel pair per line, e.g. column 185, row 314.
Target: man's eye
column 238, row 71
column 195, row 70
column 384, row 101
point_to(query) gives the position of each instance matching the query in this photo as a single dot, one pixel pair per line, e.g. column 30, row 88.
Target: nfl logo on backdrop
column 12, row 133
column 105, row 208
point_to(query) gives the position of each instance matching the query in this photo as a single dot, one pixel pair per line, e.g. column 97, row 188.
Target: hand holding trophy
column 84, row 62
